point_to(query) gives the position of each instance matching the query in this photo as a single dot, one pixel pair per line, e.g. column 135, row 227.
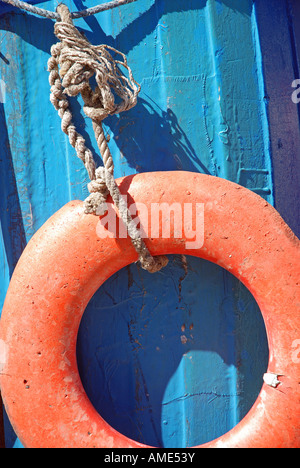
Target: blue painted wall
column 177, row 358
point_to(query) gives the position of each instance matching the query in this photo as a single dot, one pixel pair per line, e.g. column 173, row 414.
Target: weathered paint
column 177, row 358
column 281, row 67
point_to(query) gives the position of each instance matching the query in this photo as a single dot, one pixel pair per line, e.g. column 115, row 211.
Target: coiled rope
column 74, row 61
column 75, row 15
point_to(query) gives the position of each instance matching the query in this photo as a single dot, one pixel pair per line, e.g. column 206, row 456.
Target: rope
column 74, row 61
column 75, row 15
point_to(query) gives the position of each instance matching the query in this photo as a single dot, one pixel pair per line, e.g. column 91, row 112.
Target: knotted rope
column 74, row 61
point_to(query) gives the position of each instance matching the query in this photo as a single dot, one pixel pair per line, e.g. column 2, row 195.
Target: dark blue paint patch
column 280, row 69
column 12, row 228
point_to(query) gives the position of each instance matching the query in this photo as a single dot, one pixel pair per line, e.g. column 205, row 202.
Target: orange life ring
column 66, row 262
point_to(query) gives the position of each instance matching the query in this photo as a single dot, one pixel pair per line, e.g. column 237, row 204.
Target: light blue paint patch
column 234, row 397
column 205, row 400
column 18, row 444
column 4, row 270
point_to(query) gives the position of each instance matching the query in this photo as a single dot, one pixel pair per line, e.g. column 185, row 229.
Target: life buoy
column 67, row 260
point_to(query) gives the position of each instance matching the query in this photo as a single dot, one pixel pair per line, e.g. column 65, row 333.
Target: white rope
column 74, row 60
column 75, row 15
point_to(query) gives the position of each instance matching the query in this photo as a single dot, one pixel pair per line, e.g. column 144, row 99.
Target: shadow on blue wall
column 146, row 152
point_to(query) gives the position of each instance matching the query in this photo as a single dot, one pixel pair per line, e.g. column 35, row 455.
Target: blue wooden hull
column 177, row 358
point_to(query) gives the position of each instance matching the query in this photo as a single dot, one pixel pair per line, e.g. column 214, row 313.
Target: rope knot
column 95, row 203
column 79, row 61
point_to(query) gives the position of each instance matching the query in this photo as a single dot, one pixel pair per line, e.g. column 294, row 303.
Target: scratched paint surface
column 173, row 359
